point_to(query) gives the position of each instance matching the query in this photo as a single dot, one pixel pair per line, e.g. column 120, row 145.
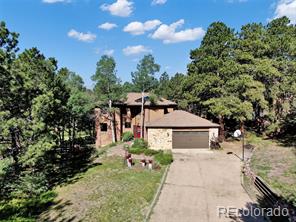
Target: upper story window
column 104, row 127
column 127, row 125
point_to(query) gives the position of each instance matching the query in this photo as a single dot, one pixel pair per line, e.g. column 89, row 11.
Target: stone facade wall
column 160, row 139
column 213, row 134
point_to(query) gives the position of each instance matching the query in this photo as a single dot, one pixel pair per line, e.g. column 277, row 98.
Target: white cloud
column 107, row 26
column 84, row 37
column 168, row 34
column 158, row 2
column 122, row 8
column 286, row 8
column 134, row 50
column 108, row 52
column 139, row 28
column 54, row 1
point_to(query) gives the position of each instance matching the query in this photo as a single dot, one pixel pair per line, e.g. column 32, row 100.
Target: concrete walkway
column 197, row 184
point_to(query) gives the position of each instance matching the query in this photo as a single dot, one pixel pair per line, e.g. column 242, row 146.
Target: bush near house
column 149, row 152
column 164, row 158
column 140, row 143
column 127, row 136
column 140, row 146
column 135, row 150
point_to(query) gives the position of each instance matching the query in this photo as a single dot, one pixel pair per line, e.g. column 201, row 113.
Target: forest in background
column 244, row 78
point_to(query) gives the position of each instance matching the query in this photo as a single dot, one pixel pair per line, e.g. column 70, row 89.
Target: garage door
column 190, row 139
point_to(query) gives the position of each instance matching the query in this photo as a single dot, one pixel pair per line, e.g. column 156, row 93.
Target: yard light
column 150, row 164
column 239, row 134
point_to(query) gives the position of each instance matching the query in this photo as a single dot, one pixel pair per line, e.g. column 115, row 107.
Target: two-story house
column 127, row 117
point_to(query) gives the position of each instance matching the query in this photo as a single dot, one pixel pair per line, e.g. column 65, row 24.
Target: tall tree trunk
column 15, row 146
column 222, row 129
column 142, row 114
column 59, row 135
column 112, row 121
column 70, row 133
column 73, row 132
column 63, row 135
column 242, row 127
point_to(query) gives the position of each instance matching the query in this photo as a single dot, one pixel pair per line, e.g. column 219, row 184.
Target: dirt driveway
column 197, row 184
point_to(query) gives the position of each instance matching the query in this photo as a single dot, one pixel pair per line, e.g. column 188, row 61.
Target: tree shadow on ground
column 70, row 164
column 247, row 214
column 26, row 209
column 59, row 208
column 278, row 216
column 254, row 212
column 287, row 140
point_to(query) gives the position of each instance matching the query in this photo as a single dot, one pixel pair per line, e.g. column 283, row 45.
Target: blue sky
column 78, row 32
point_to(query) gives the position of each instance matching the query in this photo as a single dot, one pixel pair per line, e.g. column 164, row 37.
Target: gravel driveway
column 197, row 184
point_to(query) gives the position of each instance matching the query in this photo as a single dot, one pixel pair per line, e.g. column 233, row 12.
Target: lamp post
column 243, row 146
column 239, row 134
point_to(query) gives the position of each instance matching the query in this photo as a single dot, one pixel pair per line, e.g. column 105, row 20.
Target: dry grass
column 277, row 166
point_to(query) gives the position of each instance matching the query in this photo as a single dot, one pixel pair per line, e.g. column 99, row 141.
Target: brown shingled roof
column 181, row 119
column 135, row 99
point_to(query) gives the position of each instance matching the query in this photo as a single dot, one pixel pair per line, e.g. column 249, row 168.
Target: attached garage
column 181, row 130
column 190, row 139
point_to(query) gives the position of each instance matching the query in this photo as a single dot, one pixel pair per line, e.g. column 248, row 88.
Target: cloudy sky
column 78, row 32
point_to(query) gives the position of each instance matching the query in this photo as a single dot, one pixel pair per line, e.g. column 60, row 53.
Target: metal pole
column 243, row 144
column 142, row 114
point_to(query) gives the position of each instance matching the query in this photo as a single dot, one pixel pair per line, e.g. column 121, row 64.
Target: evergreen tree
column 108, row 88
column 144, row 80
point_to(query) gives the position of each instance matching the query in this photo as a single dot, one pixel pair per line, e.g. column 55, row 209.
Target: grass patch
column 107, row 192
column 164, row 158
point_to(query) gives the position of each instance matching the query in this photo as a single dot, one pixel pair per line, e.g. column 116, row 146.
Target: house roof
column 135, row 99
column 181, row 119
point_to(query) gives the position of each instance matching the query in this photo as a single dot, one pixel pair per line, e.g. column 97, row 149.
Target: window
column 127, row 125
column 103, row 127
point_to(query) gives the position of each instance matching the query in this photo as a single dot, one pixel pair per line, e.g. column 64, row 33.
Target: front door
column 137, row 132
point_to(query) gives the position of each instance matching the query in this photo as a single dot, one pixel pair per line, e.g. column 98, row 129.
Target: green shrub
column 127, row 136
column 140, row 143
column 136, row 150
column 149, row 152
column 164, row 158
column 272, row 129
